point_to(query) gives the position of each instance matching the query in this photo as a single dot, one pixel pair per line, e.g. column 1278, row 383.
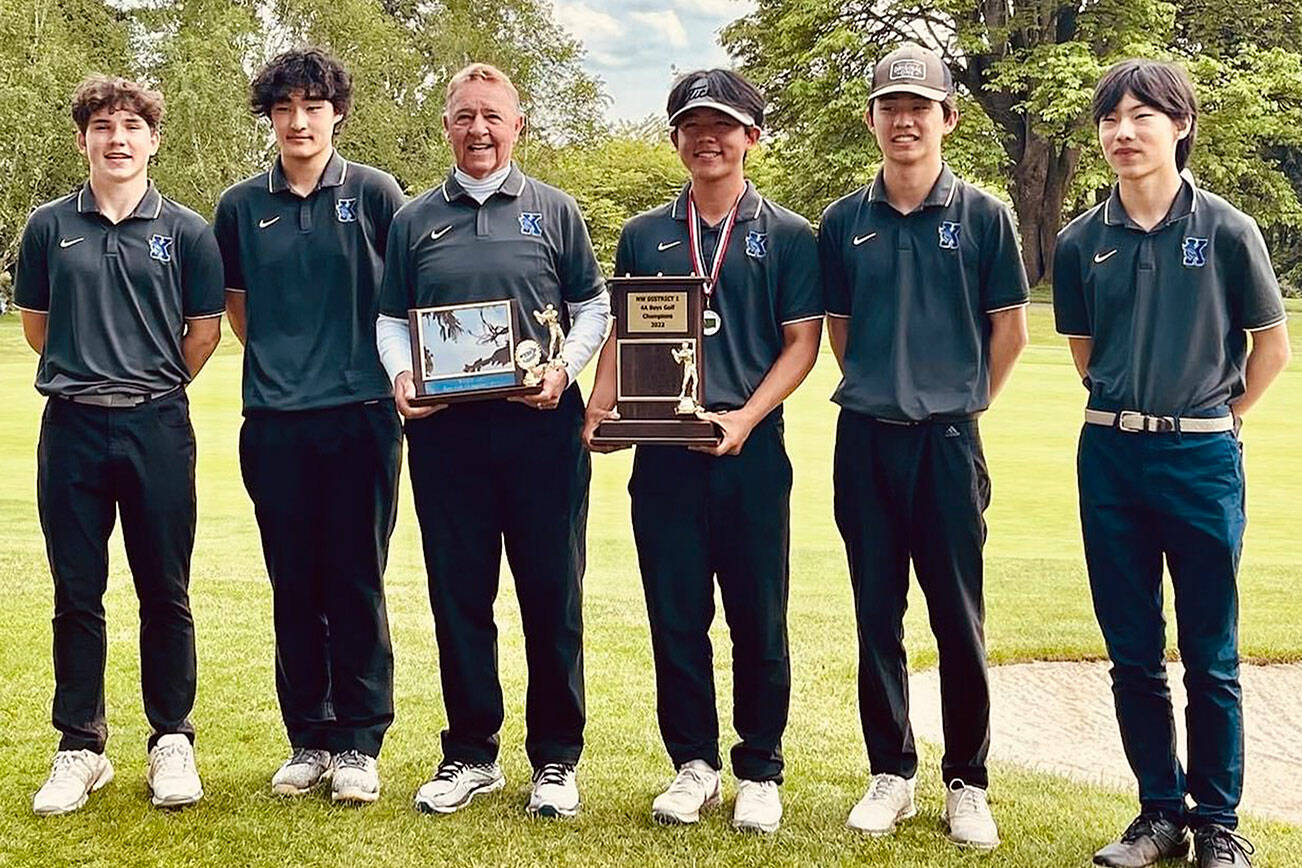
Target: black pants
column 486, row 474
column 696, row 517
column 324, row 485
column 916, row 491
column 139, row 462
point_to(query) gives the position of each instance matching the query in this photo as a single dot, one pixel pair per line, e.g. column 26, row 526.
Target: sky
column 636, row 46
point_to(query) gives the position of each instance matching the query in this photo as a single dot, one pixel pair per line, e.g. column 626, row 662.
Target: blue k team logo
column 160, row 247
column 757, row 244
column 1195, row 252
column 346, row 210
column 949, row 235
column 530, row 223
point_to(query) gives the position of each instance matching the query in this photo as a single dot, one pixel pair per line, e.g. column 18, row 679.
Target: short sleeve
column 581, row 277
column 624, row 252
column 836, row 286
column 395, row 292
column 202, row 283
column 1256, row 302
column 386, row 198
column 32, row 274
column 1070, row 314
column 1003, row 277
column 800, row 288
column 225, row 226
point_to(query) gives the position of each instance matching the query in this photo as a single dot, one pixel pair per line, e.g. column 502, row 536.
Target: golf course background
column 1037, row 602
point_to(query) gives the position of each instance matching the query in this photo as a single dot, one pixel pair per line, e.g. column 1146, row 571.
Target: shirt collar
column 336, row 170
column 148, row 208
column 1184, row 204
column 748, row 209
column 941, row 194
column 513, row 186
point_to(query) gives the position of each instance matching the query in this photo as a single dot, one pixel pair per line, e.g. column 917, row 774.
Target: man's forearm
column 1270, row 355
column 200, row 339
column 1007, row 340
column 793, row 364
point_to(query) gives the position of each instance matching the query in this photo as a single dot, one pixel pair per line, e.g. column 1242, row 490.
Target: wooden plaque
column 467, row 352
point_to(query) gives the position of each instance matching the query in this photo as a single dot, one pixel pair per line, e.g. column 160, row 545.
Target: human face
column 305, row 126
column 909, row 128
column 1138, row 140
column 482, row 123
column 712, row 144
column 118, row 144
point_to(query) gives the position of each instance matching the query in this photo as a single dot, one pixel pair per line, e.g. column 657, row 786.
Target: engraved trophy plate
column 470, row 352
column 659, row 363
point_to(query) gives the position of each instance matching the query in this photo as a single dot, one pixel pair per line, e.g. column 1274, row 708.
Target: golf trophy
column 472, row 352
column 659, row 363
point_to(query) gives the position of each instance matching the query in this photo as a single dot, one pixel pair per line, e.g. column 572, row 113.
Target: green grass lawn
column 1036, row 597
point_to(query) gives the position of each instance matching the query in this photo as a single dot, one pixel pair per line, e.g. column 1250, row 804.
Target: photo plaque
column 659, row 363
column 471, row 352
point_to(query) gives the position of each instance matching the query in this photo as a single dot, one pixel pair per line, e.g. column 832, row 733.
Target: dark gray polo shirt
column 310, row 269
column 1167, row 309
column 918, row 290
column 527, row 241
column 769, row 280
column 116, row 294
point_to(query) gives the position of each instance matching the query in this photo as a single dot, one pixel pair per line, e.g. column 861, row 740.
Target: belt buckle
column 1131, row 420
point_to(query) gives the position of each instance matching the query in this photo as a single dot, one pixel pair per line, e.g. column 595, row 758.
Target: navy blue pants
column 917, row 492
column 94, row 463
column 698, row 517
column 1145, row 498
column 324, row 485
column 493, row 474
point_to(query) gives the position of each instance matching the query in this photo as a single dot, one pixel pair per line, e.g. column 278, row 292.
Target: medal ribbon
column 694, row 240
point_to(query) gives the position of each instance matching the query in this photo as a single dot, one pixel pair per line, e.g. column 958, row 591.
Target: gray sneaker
column 455, row 783
column 1217, row 847
column 299, row 774
column 1148, row 839
column 355, row 778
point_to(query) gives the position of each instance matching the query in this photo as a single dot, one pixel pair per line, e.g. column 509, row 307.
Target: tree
column 1028, row 67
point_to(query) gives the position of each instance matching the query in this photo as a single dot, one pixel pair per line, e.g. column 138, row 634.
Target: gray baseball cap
column 912, row 69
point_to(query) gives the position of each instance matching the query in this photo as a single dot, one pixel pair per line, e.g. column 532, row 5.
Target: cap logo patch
column 1195, row 252
column 531, row 223
column 757, row 244
column 160, row 247
column 346, row 210
column 911, row 69
column 949, row 235
column 700, row 90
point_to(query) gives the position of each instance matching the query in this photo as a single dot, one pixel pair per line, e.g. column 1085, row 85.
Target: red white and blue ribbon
column 694, row 240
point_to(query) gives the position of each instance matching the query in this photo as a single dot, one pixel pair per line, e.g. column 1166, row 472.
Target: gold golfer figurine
column 685, row 355
column 551, row 317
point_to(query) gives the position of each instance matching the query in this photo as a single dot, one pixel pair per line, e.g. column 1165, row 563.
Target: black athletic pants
column 695, row 517
column 93, row 462
column 324, row 485
column 500, row 472
column 916, row 491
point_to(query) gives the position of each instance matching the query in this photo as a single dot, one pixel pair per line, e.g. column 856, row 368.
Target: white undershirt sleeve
column 393, row 340
column 589, row 322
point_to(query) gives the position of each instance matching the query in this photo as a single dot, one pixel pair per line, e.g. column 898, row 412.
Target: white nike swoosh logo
column 436, row 234
column 860, row 239
column 68, row 242
column 263, row 224
column 1101, row 257
column 665, row 245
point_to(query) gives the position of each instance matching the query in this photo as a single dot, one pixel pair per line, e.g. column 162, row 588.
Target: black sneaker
column 1149, row 839
column 1217, row 847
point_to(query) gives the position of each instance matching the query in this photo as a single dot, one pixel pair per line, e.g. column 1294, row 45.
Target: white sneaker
column 968, row 816
column 74, row 775
column 355, row 778
column 695, row 787
column 758, row 807
column 299, row 774
column 889, row 799
column 172, row 777
column 455, row 783
column 555, row 792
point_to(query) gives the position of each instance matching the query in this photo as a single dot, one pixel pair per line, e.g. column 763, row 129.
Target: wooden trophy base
column 478, row 395
column 657, row 432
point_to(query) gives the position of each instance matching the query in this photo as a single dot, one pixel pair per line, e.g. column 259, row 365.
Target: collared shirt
column 527, row 242
column 1168, row 308
column 310, row 269
column 769, row 279
column 116, row 294
column 918, row 290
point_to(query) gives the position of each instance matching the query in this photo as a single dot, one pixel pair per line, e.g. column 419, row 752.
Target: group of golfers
column 316, row 263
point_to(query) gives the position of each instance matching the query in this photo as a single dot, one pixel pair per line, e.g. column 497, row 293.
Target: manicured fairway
column 1037, row 601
